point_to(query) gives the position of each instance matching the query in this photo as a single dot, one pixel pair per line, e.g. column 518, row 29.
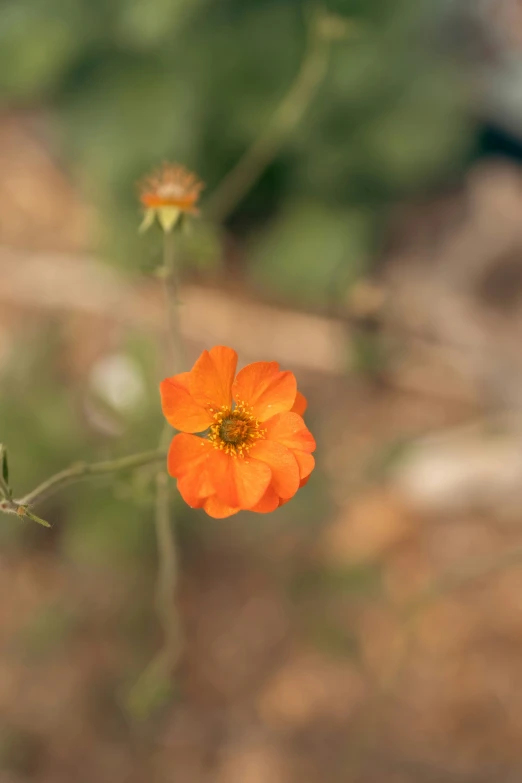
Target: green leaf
column 24, row 512
column 5, row 466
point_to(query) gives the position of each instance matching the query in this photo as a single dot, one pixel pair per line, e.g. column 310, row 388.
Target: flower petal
column 264, row 388
column 300, row 404
column 282, row 463
column 179, row 408
column 188, row 460
column 302, row 483
column 188, row 454
column 269, row 502
column 211, row 377
column 192, row 492
column 215, row 508
column 290, row 430
column 306, row 463
column 239, row 483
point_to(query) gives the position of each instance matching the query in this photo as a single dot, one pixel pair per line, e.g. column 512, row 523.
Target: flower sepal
column 168, row 194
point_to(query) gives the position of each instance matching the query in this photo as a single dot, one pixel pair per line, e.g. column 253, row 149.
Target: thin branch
column 168, row 273
column 168, row 569
column 163, row 663
column 81, row 471
column 141, row 697
column 240, row 179
column 166, row 542
column 85, row 470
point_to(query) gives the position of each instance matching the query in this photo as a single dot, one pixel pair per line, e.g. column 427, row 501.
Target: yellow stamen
column 235, row 430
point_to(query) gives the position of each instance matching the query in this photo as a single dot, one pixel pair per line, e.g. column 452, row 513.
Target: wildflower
column 168, row 193
column 255, row 451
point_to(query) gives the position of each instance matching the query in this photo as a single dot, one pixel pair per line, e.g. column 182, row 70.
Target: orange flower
column 168, row 193
column 255, row 452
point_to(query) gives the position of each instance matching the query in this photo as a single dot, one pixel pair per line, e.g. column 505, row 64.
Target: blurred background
column 362, row 225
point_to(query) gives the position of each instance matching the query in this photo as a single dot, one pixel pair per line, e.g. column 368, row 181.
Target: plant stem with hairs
column 162, row 665
column 166, row 542
column 81, row 471
column 168, row 272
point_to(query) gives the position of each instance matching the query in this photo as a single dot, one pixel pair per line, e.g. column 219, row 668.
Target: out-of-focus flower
column 118, row 381
column 255, row 452
column 168, row 193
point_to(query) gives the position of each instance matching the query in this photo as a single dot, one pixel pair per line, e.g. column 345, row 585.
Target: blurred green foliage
column 21, row 751
column 46, row 632
column 359, row 580
column 47, row 427
column 129, row 83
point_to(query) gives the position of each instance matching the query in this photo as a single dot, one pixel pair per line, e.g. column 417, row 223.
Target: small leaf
column 5, row 466
column 23, row 511
column 39, row 520
column 4, row 473
column 148, row 220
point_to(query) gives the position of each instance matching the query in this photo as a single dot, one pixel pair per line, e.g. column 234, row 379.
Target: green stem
column 167, row 579
column 85, row 470
column 141, row 697
column 288, row 115
column 168, row 274
column 80, row 471
column 168, row 568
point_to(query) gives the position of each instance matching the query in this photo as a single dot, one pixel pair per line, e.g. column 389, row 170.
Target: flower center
column 235, row 430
